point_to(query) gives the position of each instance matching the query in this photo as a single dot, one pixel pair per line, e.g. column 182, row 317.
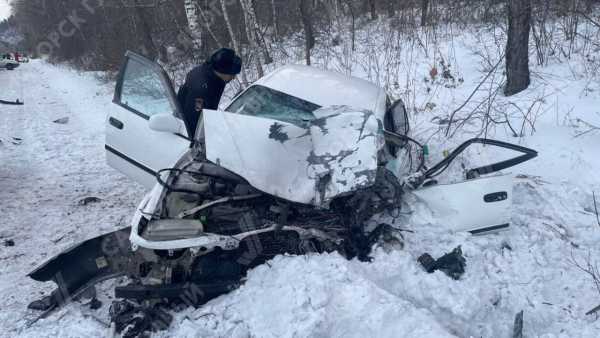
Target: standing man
column 204, row 86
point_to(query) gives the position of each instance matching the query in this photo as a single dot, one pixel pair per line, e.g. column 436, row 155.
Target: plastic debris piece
column 132, row 320
column 63, row 120
column 427, row 262
column 88, row 200
column 518, row 328
column 452, row 264
column 44, row 304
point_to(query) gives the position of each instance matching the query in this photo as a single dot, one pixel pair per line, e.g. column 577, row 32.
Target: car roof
column 325, row 88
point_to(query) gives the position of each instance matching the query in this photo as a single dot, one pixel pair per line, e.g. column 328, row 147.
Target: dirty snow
column 529, row 268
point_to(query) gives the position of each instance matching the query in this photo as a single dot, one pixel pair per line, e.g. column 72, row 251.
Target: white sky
column 4, row 9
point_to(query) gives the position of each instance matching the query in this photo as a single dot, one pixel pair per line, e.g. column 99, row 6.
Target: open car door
column 480, row 204
column 143, row 93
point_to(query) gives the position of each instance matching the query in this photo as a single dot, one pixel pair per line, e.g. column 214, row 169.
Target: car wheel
column 10, row 67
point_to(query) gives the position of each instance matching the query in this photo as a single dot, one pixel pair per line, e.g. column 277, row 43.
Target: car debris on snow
column 16, row 102
column 518, row 328
column 62, row 120
column 43, row 304
column 132, row 320
column 452, row 264
column 89, row 200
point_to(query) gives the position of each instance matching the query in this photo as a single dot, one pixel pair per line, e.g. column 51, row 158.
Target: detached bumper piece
column 82, row 266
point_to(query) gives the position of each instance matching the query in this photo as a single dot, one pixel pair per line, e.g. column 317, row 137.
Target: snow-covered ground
column 46, row 168
column 531, row 267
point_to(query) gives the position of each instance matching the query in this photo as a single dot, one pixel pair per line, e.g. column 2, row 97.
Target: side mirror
column 399, row 117
column 165, row 123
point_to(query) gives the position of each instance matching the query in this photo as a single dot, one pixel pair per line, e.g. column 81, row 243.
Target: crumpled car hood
column 336, row 154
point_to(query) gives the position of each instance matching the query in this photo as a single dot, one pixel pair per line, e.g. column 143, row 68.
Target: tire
column 10, row 67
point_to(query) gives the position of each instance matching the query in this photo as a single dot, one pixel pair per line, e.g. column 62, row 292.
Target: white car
column 298, row 162
column 8, row 63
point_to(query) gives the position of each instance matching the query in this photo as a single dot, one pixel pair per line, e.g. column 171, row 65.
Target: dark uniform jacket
column 200, row 83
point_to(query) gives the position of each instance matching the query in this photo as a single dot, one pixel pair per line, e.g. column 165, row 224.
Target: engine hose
column 399, row 140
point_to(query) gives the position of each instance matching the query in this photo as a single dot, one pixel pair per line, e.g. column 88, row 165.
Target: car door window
column 143, row 90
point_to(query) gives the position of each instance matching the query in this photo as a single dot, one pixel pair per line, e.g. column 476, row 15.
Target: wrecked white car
column 299, row 162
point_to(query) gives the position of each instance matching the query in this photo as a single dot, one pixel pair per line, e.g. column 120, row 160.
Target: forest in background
column 379, row 40
column 94, row 34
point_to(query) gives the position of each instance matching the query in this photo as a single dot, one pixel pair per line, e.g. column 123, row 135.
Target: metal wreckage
column 237, row 199
column 227, row 207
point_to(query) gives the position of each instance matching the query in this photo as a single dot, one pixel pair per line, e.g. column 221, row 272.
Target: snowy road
column 46, row 168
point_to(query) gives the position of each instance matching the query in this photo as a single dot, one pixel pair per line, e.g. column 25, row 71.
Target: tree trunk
column 372, row 9
column 234, row 40
column 352, row 25
column 275, row 20
column 148, row 44
column 391, row 7
column 207, row 23
column 305, row 13
column 424, row 12
column 251, row 32
column 191, row 13
column 517, row 46
column 256, row 31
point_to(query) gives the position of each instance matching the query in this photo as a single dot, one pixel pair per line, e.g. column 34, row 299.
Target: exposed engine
column 202, row 197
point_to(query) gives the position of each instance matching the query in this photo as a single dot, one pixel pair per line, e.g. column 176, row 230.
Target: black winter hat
column 226, row 61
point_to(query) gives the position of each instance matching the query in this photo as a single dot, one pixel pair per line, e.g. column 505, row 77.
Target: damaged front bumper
column 86, row 264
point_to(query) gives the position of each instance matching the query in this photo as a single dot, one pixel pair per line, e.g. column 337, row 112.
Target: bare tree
column 234, row 40
column 391, row 8
column 252, row 32
column 150, row 48
column 207, row 23
column 309, row 37
column 191, row 12
column 352, row 24
column 275, row 20
column 424, row 12
column 517, row 46
column 372, row 9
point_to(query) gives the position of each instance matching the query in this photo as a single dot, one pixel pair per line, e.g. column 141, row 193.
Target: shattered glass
column 143, row 90
column 269, row 103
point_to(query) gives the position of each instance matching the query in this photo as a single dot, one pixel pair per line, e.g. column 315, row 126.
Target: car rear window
column 269, row 103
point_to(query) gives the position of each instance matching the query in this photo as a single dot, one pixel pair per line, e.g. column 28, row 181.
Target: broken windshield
column 266, row 102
